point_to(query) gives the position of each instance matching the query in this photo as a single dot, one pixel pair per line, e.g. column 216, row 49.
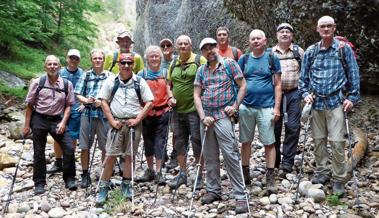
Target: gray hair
column 151, row 49
column 49, row 57
column 97, row 50
column 183, row 37
column 257, row 31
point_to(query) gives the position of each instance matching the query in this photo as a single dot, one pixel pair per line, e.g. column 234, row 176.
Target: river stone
column 318, row 195
column 57, row 212
column 7, row 161
column 273, row 198
column 304, row 186
column 264, row 201
column 45, row 206
column 23, row 208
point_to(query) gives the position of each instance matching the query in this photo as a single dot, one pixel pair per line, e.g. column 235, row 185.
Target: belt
column 289, row 90
column 49, row 117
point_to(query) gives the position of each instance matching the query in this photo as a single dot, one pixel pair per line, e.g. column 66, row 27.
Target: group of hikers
column 201, row 98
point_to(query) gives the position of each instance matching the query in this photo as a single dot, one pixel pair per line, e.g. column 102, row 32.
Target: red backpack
column 345, row 40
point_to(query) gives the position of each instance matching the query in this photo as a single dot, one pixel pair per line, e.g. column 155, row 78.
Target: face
column 326, row 29
column 209, row 51
column 97, row 60
column 284, row 36
column 154, row 59
column 222, row 37
column 126, row 68
column 124, row 44
column 257, row 42
column 183, row 46
column 52, row 66
column 167, row 48
column 73, row 62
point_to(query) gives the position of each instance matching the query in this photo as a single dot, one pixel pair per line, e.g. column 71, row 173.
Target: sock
column 85, row 172
column 126, row 179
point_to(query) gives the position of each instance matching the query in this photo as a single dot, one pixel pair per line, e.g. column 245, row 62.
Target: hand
column 97, row 103
column 230, row 110
column 172, row 102
column 61, row 127
column 81, row 108
column 208, row 121
column 133, row 122
column 276, row 114
column 117, row 124
column 309, row 99
column 347, row 105
column 90, row 100
column 26, row 131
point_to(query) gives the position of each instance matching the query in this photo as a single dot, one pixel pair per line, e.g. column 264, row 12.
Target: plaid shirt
column 217, row 86
column 289, row 66
column 91, row 88
column 326, row 77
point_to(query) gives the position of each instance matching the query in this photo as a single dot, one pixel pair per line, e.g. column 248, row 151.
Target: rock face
column 355, row 19
column 11, row 80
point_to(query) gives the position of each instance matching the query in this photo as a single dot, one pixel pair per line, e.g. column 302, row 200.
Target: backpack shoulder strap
column 235, row 53
column 296, row 54
column 173, row 65
column 41, row 84
column 137, row 87
column 197, row 60
column 65, row 86
column 316, row 50
column 271, row 61
column 114, row 60
column 245, row 58
column 114, row 89
column 341, row 56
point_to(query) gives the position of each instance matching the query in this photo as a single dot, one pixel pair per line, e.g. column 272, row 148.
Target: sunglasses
column 166, row 46
column 74, row 58
column 126, row 62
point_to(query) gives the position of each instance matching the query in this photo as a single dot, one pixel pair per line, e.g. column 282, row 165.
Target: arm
column 353, row 77
column 206, row 120
column 278, row 96
column 61, row 127
column 107, row 112
column 133, row 122
column 28, row 115
column 304, row 81
column 171, row 100
column 231, row 110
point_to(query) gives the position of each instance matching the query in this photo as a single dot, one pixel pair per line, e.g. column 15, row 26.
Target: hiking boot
column 71, row 184
column 270, row 182
column 284, row 171
column 178, row 181
column 147, row 176
column 338, row 189
column 39, row 189
column 172, row 164
column 199, row 183
column 319, row 179
column 160, row 179
column 241, row 207
column 57, row 167
column 103, row 193
column 86, row 180
column 210, row 197
column 127, row 189
column 246, row 174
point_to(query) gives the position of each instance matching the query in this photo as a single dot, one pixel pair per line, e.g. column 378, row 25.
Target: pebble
column 318, row 195
column 264, row 201
column 286, row 184
column 273, row 198
column 57, row 212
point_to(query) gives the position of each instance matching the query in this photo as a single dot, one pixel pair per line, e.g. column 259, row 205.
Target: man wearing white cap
column 290, row 56
column 217, row 101
column 330, row 82
column 167, row 48
column 71, row 72
column 124, row 41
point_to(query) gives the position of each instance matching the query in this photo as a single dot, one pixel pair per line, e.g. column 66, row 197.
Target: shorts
column 155, row 135
column 250, row 117
column 99, row 127
column 118, row 141
column 73, row 125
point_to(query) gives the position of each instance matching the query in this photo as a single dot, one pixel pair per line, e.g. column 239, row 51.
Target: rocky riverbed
column 315, row 200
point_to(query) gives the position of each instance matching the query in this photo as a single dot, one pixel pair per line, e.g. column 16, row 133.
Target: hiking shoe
column 39, row 189
column 86, row 180
column 210, row 197
column 56, row 168
column 246, row 174
column 147, row 176
column 270, row 182
column 338, row 189
column 127, row 189
column 283, row 172
column 241, row 207
column 160, row 179
column 199, row 183
column 71, row 184
column 178, row 181
column 103, row 193
column 319, row 179
column 172, row 164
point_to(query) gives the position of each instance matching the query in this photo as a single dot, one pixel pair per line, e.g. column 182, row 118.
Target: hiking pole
column 143, row 150
column 198, row 170
column 164, row 149
column 132, row 132
column 14, row 178
column 306, row 114
column 350, row 155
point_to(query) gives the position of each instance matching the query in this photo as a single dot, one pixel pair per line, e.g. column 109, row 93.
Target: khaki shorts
column 118, row 141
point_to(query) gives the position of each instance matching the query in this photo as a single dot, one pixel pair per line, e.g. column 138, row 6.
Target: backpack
column 41, row 85
column 87, row 79
column 235, row 53
column 176, row 57
column 160, row 92
column 296, row 55
column 137, row 88
column 114, row 60
column 345, row 40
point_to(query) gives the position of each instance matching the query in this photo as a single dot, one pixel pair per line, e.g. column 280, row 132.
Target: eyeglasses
column 166, row 46
column 126, row 62
column 323, row 26
column 74, row 58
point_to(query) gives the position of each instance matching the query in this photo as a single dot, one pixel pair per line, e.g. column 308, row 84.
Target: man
column 124, row 113
column 261, row 105
column 71, row 72
column 93, row 120
column 290, row 56
column 167, row 48
column 124, row 41
column 48, row 98
column 181, row 75
column 216, row 103
column 224, row 49
column 322, row 83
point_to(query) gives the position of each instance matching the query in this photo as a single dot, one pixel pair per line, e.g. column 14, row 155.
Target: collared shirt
column 289, row 66
column 73, row 77
column 138, row 62
column 49, row 101
column 326, row 77
column 91, row 88
column 217, row 86
column 125, row 103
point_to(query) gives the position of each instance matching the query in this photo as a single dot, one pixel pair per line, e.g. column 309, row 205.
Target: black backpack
column 41, row 85
column 137, row 88
column 235, row 53
column 87, row 79
column 173, row 63
column 296, row 55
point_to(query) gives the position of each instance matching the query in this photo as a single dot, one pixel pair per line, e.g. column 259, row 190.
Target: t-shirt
column 182, row 78
column 138, row 62
column 228, row 53
column 259, row 80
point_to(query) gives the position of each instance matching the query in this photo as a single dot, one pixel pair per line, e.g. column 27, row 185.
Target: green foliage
column 116, row 203
column 334, row 200
column 17, row 92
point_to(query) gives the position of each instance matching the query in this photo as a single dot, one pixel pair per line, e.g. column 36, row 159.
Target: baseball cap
column 284, row 26
column 123, row 34
column 207, row 40
column 73, row 52
column 165, row 40
column 127, row 57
